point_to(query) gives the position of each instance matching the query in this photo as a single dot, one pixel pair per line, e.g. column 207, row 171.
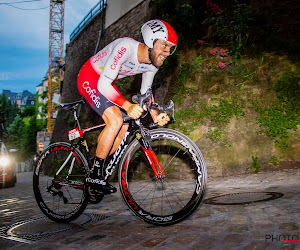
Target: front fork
column 153, row 161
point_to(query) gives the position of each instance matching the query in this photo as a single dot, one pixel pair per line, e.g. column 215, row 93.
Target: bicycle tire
column 62, row 197
column 181, row 191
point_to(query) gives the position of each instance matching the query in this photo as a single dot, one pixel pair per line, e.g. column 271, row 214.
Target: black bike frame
column 135, row 130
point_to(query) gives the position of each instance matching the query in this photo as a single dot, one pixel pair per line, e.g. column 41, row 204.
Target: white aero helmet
column 158, row 29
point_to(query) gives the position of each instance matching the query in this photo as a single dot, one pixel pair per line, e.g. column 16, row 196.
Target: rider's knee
column 116, row 124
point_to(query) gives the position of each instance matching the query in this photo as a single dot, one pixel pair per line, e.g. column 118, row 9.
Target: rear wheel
column 170, row 199
column 59, row 182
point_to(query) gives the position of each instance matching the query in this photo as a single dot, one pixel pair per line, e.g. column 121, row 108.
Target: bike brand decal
column 91, row 92
column 59, row 148
column 98, row 181
column 156, row 27
column 195, row 158
column 125, row 189
column 138, row 136
column 156, row 218
column 99, row 56
column 116, row 157
column 117, row 58
column 76, row 184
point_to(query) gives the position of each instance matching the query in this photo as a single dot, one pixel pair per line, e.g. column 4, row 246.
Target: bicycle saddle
column 71, row 105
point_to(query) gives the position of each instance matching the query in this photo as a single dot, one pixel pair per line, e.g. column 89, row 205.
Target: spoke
column 147, row 196
column 171, row 159
column 162, row 200
column 153, row 197
column 169, row 203
column 142, row 187
column 175, row 193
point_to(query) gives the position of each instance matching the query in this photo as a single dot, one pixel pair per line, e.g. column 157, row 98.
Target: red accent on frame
column 152, row 157
column 157, row 162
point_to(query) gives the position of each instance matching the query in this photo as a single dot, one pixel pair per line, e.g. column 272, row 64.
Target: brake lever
column 143, row 99
column 165, row 108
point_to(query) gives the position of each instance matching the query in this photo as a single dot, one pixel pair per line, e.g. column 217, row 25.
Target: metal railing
column 93, row 12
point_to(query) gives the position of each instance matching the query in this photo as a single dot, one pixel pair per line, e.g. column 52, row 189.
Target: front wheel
column 59, row 182
column 168, row 200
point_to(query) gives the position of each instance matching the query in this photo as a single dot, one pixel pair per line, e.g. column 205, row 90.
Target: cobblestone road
column 217, row 224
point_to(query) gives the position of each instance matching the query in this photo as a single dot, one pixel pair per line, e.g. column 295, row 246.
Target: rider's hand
column 162, row 119
column 134, row 111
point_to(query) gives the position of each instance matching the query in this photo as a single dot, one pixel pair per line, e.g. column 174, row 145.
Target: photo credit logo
column 282, row 238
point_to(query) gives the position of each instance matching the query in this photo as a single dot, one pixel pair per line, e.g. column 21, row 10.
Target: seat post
column 76, row 118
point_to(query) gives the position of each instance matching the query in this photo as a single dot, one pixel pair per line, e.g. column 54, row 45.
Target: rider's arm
column 162, row 118
column 110, row 72
column 147, row 80
column 106, row 85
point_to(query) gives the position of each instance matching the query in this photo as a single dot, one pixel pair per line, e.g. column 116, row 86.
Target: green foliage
column 28, row 111
column 288, row 88
column 44, row 94
column 255, row 166
column 217, row 135
column 273, row 162
column 44, row 106
column 234, row 28
column 282, row 115
column 184, row 71
column 23, row 137
column 185, row 16
column 3, row 103
column 21, row 131
column 198, row 61
column 12, row 110
column 219, row 116
column 16, row 132
column 41, row 124
column 222, row 113
column 179, row 89
column 28, row 146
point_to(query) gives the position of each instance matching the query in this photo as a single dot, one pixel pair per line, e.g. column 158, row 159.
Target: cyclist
column 96, row 83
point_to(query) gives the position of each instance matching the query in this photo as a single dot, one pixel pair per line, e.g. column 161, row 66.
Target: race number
column 73, row 134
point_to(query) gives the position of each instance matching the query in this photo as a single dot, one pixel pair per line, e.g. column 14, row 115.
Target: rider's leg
column 119, row 138
column 113, row 118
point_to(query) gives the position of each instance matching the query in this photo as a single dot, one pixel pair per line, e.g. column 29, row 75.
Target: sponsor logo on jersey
column 99, row 56
column 91, row 92
column 156, row 27
column 117, row 58
column 143, row 68
column 126, row 72
column 127, row 66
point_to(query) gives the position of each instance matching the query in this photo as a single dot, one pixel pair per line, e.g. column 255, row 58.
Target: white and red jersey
column 117, row 60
